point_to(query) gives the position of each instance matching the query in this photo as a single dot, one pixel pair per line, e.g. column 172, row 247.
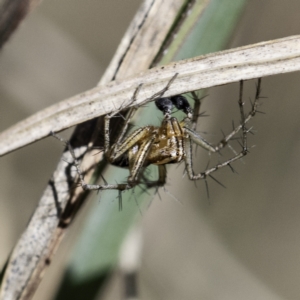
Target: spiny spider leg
column 136, row 162
column 196, row 138
column 129, row 115
column 244, row 119
column 193, row 136
column 71, row 150
column 197, row 107
column 162, row 178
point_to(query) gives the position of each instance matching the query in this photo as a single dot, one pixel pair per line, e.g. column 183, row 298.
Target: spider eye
column 165, row 105
column 181, row 103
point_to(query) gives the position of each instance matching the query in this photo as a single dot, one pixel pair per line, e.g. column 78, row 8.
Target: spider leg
column 134, row 171
column 136, row 165
column 118, row 149
column 204, row 174
column 196, row 109
column 207, row 172
column 162, row 176
column 244, row 118
column 122, row 133
column 196, row 138
column 199, row 140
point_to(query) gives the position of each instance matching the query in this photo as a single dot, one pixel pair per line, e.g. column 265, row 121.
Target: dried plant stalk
column 253, row 61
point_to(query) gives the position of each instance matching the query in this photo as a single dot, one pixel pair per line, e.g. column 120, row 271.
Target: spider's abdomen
column 168, row 146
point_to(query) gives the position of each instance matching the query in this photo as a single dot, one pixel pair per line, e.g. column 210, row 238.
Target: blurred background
column 240, row 243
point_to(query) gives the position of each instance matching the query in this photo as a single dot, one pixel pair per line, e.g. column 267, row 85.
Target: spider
column 169, row 143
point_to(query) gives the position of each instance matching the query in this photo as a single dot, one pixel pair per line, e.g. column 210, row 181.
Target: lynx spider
column 171, row 142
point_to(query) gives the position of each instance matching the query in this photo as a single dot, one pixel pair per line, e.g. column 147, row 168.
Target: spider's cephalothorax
column 171, row 142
